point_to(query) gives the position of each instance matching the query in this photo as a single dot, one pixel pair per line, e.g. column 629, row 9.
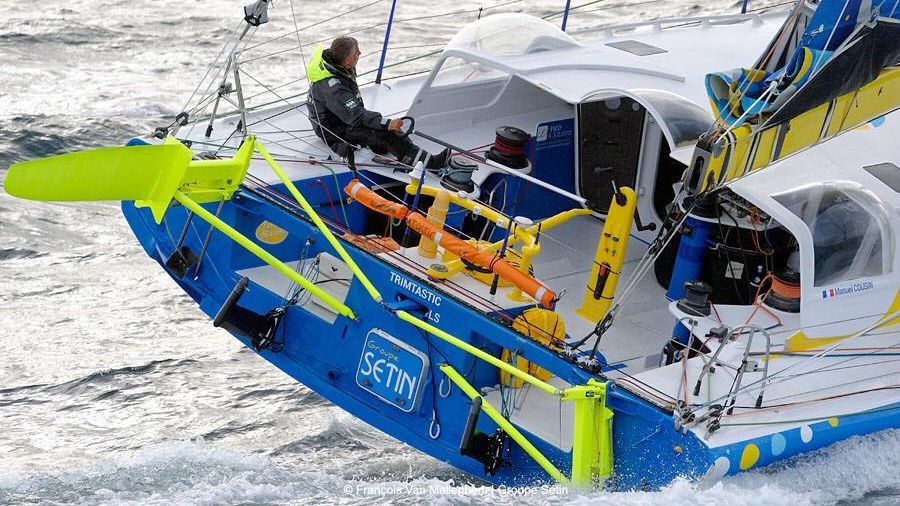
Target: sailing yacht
column 637, row 266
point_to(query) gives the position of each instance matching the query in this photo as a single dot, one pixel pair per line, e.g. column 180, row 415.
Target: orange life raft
column 465, row 250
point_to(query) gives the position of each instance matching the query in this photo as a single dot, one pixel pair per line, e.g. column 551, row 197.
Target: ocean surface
column 116, row 389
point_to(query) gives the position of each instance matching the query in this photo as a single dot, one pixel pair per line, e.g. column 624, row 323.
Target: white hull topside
column 807, row 390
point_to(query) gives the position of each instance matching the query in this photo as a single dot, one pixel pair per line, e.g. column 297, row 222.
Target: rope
column 560, row 13
column 319, row 41
column 456, row 13
column 783, row 288
column 801, row 420
column 767, row 7
column 870, row 378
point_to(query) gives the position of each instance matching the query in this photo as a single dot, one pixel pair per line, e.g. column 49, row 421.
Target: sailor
column 339, row 116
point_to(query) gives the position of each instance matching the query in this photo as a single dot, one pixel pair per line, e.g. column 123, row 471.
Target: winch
column 459, row 175
column 509, row 147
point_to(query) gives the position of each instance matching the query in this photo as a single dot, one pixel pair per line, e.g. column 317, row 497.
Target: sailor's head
column 345, row 51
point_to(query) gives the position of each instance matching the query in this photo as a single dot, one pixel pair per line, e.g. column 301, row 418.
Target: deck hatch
column 636, row 47
column 887, row 173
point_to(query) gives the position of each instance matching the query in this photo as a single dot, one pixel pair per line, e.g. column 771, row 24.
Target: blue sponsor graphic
column 391, row 370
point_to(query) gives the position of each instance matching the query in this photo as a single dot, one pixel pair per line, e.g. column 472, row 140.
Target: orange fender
column 463, row 249
column 373, row 201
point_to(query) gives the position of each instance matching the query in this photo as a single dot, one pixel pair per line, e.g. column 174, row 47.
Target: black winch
column 696, row 299
column 509, row 147
column 459, row 175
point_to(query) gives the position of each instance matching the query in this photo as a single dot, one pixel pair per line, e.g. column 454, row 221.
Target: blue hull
column 326, row 357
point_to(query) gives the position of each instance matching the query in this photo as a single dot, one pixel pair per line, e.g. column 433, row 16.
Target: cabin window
column 850, row 228
column 455, row 70
column 887, row 173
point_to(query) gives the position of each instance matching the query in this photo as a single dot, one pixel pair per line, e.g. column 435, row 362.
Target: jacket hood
column 317, row 68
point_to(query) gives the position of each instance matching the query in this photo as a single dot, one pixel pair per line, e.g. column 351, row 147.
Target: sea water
column 116, row 389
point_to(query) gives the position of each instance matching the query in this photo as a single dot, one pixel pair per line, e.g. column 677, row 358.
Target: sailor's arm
column 349, row 108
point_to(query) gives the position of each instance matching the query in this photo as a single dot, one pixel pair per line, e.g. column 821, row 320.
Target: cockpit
column 840, row 209
column 587, row 129
column 850, row 229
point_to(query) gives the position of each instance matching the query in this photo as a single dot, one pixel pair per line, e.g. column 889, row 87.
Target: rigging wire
column 616, row 6
column 571, row 10
column 294, row 136
column 373, row 71
column 629, row 287
column 828, row 367
column 207, row 94
column 767, row 381
column 801, row 420
column 297, row 29
column 212, row 65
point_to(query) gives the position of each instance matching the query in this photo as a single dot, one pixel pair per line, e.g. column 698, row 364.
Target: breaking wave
column 861, row 469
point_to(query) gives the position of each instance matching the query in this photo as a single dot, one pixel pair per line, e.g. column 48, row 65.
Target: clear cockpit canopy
column 850, row 227
column 495, row 39
column 511, row 34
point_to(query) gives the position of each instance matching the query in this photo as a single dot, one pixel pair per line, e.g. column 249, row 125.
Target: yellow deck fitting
column 609, row 257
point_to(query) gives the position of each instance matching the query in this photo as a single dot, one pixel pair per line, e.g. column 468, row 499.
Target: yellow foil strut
column 505, row 424
column 314, row 216
column 264, row 255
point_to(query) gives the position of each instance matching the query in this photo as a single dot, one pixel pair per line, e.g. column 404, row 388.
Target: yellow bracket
column 215, row 180
column 592, row 458
column 592, row 436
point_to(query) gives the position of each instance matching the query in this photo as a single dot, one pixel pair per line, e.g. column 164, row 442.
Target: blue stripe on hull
column 648, row 452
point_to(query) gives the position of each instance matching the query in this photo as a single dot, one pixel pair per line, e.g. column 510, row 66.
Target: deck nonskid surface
column 642, row 326
column 638, row 334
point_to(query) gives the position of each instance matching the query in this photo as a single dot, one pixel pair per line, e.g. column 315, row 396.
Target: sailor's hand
column 395, row 125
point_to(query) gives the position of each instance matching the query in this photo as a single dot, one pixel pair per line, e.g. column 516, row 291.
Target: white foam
column 186, row 472
column 845, row 471
column 9, row 479
column 194, row 472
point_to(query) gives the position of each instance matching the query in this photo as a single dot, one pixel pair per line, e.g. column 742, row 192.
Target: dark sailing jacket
column 334, row 100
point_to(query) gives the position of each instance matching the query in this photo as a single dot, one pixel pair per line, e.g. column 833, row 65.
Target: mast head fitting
column 257, row 13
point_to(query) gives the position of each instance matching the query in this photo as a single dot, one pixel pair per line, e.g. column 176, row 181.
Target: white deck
column 551, row 83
